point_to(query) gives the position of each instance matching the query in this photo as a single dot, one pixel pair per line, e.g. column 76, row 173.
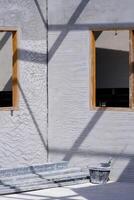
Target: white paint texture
column 93, row 11
column 76, row 133
column 23, row 133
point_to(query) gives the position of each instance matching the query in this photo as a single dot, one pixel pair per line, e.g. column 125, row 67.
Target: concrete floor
column 110, row 191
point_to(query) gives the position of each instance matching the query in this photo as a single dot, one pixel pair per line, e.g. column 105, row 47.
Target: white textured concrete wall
column 23, row 132
column 76, row 133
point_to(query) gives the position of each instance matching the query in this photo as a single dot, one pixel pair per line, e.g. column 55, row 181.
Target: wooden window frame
column 92, row 76
column 15, row 69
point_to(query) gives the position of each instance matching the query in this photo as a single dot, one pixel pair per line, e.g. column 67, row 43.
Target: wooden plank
column 15, row 83
column 131, row 69
column 92, row 71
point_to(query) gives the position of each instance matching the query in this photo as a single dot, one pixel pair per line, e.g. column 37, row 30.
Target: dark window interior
column 6, row 99
column 112, row 76
column 112, row 97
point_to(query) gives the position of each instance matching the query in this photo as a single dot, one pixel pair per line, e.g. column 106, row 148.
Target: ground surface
column 110, row 191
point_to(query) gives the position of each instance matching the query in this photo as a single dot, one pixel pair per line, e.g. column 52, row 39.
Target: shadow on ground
column 110, row 191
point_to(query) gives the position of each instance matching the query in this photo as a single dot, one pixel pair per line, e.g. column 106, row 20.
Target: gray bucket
column 99, row 175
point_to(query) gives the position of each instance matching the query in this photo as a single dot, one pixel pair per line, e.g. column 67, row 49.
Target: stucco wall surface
column 88, row 12
column 23, row 132
column 77, row 133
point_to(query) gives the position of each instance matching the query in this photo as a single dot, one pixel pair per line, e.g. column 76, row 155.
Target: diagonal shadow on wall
column 66, row 29
column 33, row 118
column 31, row 56
column 41, row 14
column 83, row 134
column 36, row 57
column 86, row 131
column 57, row 44
column 4, row 39
column 128, row 173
